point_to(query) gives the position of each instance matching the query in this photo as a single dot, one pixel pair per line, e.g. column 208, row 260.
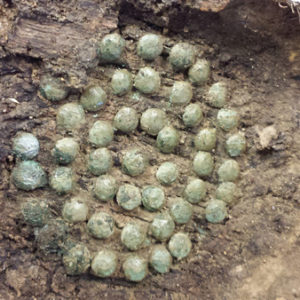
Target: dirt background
column 254, row 46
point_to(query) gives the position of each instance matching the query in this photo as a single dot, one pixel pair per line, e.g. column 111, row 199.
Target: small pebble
column 93, row 98
column 153, row 120
column 236, row 144
column 153, row 198
column 65, row 150
column 181, row 93
column 75, row 210
column 227, row 119
column 121, row 82
column 104, row 264
column 203, row 164
column 162, row 226
column 100, row 161
column 180, row 245
column 182, row 56
column 134, row 162
column 70, row 116
column 226, row 192
column 101, row 134
column 61, row 180
column 229, row 170
column 206, row 139
column 216, row 211
column 135, row 268
column 167, row 139
column 180, row 210
column 149, row 46
column 129, row 197
column 53, row 89
column 105, row 188
column 167, row 173
column 126, row 120
column 35, row 212
column 147, row 81
column 192, row 115
column 101, row 225
column 195, row 191
column 133, row 236
column 199, row 72
column 217, row 95
column 26, row 146
column 160, row 259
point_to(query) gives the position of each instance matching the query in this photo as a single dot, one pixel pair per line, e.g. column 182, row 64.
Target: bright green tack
column 53, row 89
column 129, row 197
column 101, row 225
column 167, row 173
column 65, row 150
column 192, row 115
column 226, row 192
column 135, row 268
column 181, row 93
column 153, row 198
column 93, row 98
column 167, row 139
column 195, row 191
column 147, row 80
column 227, row 119
column 121, row 82
column 162, row 226
column 149, row 46
column 70, row 116
column 199, row 72
column 105, row 188
column 180, row 210
column 229, row 170
column 35, row 212
column 126, row 120
column 134, row 162
column 101, row 134
column 203, row 164
column 160, row 259
column 236, row 144
column 77, row 260
column 153, row 120
column 216, row 211
column 182, row 56
column 100, row 161
column 104, row 264
column 26, row 146
column 133, row 236
column 206, row 139
column 29, row 175
column 111, row 48
column 75, row 211
column 217, row 95
column 180, row 245
column 61, row 180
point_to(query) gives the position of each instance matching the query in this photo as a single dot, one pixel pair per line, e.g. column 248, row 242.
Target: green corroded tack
column 153, row 198
column 167, row 173
column 226, row 192
column 149, row 46
column 126, row 119
column 65, row 150
column 206, row 139
column 26, row 146
column 61, row 180
column 195, row 191
column 70, row 116
column 167, row 139
column 100, row 161
column 129, row 197
column 162, row 226
column 134, row 162
column 93, row 98
column 229, row 170
column 236, row 144
column 147, row 80
column 192, row 115
column 181, row 93
column 121, row 82
column 153, row 120
column 75, row 210
column 51, row 237
column 105, row 188
column 29, row 175
column 217, row 95
column 104, row 263
column 180, row 245
column 215, row 211
column 53, row 88
column 101, row 225
column 133, row 236
column 135, row 268
column 203, row 163
column 35, row 212
column 180, row 210
column 77, row 260
column 160, row 259
column 199, row 72
column 101, row 134
column 111, row 47
column 182, row 56
column 227, row 119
